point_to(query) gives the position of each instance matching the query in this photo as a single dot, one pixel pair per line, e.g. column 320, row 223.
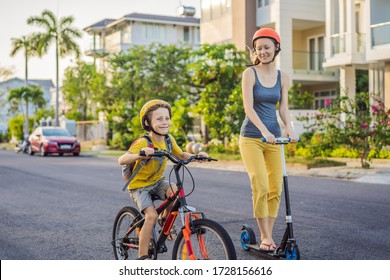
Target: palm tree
column 25, row 43
column 37, row 99
column 15, row 97
column 31, row 93
column 59, row 32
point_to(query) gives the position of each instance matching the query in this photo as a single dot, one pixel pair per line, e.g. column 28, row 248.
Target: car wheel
column 30, row 151
column 76, row 154
column 43, row 153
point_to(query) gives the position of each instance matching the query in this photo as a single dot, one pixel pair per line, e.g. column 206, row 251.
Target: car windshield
column 55, row 132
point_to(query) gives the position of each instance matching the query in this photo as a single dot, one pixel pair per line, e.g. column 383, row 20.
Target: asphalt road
column 63, row 208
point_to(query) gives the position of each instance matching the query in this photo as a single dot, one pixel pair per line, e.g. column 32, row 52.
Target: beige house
column 323, row 41
column 358, row 37
column 301, row 26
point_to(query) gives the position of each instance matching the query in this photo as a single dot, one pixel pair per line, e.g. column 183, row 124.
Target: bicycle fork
column 187, row 230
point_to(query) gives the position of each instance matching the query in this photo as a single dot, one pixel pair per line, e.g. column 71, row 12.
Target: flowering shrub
column 351, row 124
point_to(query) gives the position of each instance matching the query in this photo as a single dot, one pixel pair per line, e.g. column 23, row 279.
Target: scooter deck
column 268, row 254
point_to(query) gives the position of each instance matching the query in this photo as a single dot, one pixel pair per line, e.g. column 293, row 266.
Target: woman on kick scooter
column 264, row 86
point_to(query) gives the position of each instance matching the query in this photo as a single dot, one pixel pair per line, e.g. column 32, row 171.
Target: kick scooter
column 288, row 247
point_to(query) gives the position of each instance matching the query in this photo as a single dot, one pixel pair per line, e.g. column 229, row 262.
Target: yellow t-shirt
column 147, row 175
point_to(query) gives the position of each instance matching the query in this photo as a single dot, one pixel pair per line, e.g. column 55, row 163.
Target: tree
column 216, row 71
column 37, row 99
column 299, row 100
column 31, row 93
column 27, row 45
column 167, row 76
column 128, row 72
column 62, row 34
column 5, row 72
column 79, row 86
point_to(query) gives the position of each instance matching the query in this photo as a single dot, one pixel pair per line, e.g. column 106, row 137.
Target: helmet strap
column 155, row 132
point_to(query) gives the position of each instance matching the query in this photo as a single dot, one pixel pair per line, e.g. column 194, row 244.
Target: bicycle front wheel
column 125, row 245
column 209, row 241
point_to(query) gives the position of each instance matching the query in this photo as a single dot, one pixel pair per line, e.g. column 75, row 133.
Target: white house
column 114, row 35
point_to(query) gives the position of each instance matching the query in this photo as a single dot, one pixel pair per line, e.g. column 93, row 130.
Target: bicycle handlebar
column 281, row 140
column 176, row 160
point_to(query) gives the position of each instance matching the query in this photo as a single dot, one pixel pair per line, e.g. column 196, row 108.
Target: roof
column 42, row 83
column 186, row 20
column 100, row 24
column 150, row 17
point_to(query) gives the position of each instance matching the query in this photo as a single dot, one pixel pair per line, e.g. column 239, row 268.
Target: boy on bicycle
column 155, row 117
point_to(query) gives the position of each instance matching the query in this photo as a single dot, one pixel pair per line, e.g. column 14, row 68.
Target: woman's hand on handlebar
column 292, row 135
column 269, row 137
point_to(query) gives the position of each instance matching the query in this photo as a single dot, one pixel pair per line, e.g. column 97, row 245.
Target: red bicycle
column 199, row 238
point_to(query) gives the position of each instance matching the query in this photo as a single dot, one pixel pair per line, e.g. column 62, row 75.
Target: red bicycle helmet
column 266, row 33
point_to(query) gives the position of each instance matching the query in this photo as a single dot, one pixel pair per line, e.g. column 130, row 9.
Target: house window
column 316, row 53
column 153, row 31
column 186, row 34
column 261, row 3
column 323, row 99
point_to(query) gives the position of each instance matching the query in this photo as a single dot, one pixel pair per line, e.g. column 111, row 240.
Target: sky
column 13, row 24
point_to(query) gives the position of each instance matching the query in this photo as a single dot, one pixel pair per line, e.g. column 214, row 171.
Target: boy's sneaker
column 146, row 257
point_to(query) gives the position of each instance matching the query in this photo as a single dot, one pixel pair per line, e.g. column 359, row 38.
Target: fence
column 90, row 130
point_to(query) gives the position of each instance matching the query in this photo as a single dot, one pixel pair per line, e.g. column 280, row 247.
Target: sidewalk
column 379, row 173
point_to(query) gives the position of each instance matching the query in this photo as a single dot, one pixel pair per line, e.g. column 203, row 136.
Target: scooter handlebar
column 281, row 140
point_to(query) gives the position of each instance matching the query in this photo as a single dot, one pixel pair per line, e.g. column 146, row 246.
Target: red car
column 47, row 140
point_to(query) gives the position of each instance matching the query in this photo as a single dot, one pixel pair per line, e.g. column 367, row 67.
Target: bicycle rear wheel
column 209, row 241
column 125, row 246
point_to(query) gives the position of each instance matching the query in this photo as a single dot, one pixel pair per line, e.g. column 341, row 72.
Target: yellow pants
column 263, row 163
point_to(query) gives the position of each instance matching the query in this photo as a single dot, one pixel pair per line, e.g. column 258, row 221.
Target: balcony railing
column 310, row 63
column 380, row 34
column 338, row 42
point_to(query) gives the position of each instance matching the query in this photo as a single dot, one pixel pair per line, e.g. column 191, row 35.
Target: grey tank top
column 264, row 103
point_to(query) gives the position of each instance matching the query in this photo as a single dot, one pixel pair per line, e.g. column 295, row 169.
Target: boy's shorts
column 142, row 196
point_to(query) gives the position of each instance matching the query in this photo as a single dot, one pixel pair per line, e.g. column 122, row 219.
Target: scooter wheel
column 293, row 253
column 247, row 237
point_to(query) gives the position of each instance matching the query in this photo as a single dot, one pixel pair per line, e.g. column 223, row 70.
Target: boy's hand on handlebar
column 145, row 152
column 204, row 155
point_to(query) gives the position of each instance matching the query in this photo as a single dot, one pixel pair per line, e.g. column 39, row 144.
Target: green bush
column 351, row 123
column 344, row 152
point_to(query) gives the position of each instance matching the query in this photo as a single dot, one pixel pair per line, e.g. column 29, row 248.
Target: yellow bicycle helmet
column 150, row 106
